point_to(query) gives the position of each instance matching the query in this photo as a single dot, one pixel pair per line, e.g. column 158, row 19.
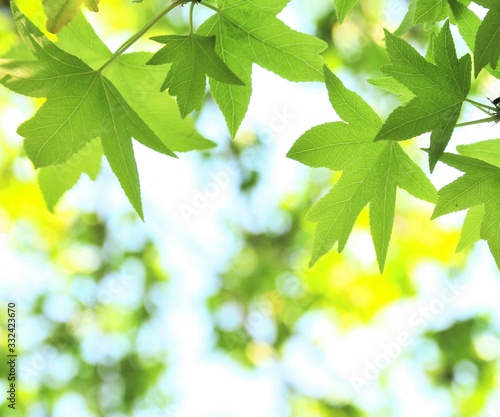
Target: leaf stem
column 481, row 106
column 210, row 6
column 495, row 118
column 191, row 13
column 141, row 32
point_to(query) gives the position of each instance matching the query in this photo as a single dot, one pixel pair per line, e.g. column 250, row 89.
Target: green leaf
column 487, row 151
column 487, row 45
column 471, row 231
column 490, row 228
column 81, row 105
column 468, row 26
column 428, row 11
column 55, row 180
column 79, row 39
column 472, row 189
column 138, row 83
column 440, row 90
column 394, row 87
column 468, row 22
column 342, row 7
column 486, row 3
column 372, row 171
column 479, row 186
column 193, row 58
column 249, row 32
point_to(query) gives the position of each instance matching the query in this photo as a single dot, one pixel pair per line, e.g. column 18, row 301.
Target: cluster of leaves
column 432, row 90
column 93, row 95
column 96, row 104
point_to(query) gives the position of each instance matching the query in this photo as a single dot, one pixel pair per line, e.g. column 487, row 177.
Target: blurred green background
column 208, row 309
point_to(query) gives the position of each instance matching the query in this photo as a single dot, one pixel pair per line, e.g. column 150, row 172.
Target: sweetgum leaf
column 193, row 58
column 82, row 104
column 138, row 83
column 371, row 173
column 468, row 26
column 440, row 89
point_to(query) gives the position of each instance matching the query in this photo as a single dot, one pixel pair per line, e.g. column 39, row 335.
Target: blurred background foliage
column 108, row 322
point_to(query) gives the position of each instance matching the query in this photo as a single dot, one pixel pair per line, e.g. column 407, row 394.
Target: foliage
column 445, row 76
column 123, row 349
column 371, row 173
column 90, row 108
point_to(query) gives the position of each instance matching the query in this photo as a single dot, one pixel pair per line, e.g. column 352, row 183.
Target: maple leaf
column 138, row 84
column 440, row 89
column 477, row 190
column 371, row 173
column 193, row 58
column 61, row 12
column 82, row 104
column 249, row 32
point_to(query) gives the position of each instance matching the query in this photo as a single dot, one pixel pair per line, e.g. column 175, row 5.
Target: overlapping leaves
column 487, row 43
column 372, row 172
column 82, row 104
column 477, row 190
column 193, row 58
column 249, row 32
column 482, row 35
column 440, row 88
